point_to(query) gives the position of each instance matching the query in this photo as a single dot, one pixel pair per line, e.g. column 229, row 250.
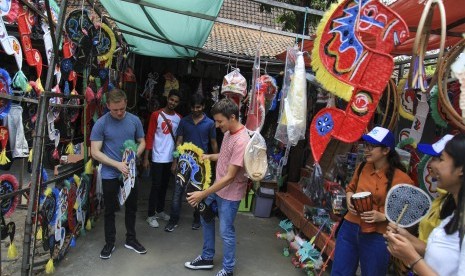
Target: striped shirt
column 232, row 153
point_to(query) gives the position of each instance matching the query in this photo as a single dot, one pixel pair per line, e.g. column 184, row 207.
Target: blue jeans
column 177, row 203
column 353, row 246
column 227, row 211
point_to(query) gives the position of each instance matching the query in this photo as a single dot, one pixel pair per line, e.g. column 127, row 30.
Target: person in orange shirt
column 360, row 238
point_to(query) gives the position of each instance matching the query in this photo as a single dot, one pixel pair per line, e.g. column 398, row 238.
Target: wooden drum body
column 363, row 202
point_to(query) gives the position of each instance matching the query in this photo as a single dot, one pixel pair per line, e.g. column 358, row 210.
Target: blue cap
column 436, row 148
column 380, row 136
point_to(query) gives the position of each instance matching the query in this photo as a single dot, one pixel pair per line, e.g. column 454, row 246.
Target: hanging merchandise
column 256, row 108
column 434, row 106
column 417, row 76
column 255, row 157
column 26, row 20
column 295, row 104
column 3, row 142
column 17, row 139
column 407, row 100
column 449, row 90
column 8, row 185
column 5, row 88
column 105, row 43
column 171, row 83
column 418, row 124
column 349, row 68
column 281, row 130
column 458, row 71
column 12, row 46
column 234, row 86
column 267, row 86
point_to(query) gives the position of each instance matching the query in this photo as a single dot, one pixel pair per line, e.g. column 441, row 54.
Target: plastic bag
column 281, row 130
column 255, row 157
column 315, row 187
column 295, row 104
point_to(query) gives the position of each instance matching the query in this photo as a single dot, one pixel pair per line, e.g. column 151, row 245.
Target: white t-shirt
column 163, row 143
column 462, row 260
column 443, row 251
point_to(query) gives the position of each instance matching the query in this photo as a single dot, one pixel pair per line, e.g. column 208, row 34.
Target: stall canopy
column 164, row 28
column 411, row 12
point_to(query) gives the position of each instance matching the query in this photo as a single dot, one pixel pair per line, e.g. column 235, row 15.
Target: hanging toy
column 56, row 154
column 3, row 142
column 234, row 87
column 5, row 88
column 349, row 68
column 8, row 184
column 458, row 71
column 105, row 43
column 33, row 58
column 12, row 46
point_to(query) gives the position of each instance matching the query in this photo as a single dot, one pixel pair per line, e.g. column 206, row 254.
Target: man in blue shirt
column 200, row 130
column 107, row 138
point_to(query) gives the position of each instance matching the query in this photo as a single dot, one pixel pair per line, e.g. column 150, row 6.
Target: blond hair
column 116, row 95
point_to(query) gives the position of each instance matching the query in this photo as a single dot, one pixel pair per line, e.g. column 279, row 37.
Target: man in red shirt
column 161, row 143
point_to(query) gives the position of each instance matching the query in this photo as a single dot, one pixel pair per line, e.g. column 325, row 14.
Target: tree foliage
column 293, row 21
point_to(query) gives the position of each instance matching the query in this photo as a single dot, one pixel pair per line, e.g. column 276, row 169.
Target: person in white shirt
column 442, row 253
column 161, row 144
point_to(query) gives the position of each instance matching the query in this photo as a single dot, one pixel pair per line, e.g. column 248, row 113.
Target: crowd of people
column 167, row 130
column 365, row 239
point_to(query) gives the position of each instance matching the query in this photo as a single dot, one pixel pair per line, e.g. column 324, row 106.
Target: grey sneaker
column 106, row 251
column 199, row 263
column 170, row 227
column 223, row 272
column 152, row 221
column 163, row 216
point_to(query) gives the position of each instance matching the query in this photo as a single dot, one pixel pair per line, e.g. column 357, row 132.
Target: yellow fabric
column 432, row 220
column 12, row 251
column 3, row 158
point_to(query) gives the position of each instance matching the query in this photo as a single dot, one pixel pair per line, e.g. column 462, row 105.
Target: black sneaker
column 223, row 272
column 136, row 246
column 107, row 250
column 199, row 263
column 196, row 225
column 170, row 227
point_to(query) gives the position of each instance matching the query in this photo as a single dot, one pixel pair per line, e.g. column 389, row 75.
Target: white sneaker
column 152, row 221
column 162, row 215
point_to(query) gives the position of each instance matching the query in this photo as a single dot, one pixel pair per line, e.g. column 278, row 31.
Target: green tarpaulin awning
column 163, row 28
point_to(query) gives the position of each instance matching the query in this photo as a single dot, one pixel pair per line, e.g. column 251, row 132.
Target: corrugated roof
column 230, row 39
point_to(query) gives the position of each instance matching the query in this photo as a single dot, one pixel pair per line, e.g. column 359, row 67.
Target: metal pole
column 38, row 145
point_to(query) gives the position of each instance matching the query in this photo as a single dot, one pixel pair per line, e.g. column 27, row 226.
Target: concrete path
column 258, row 251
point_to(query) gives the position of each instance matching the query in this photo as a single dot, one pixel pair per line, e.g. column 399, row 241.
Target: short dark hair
column 174, row 92
column 197, row 99
column 226, row 107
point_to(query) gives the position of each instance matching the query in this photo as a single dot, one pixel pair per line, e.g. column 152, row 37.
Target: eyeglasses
column 370, row 147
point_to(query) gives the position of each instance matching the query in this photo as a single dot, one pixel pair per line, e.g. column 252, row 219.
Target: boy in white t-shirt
column 161, row 143
column 228, row 189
